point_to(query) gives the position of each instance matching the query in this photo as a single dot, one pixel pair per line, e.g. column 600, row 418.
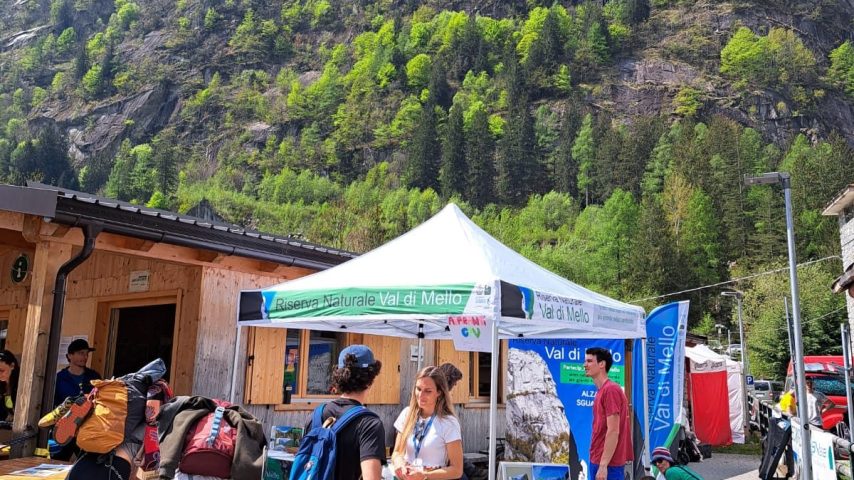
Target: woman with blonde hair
column 429, row 441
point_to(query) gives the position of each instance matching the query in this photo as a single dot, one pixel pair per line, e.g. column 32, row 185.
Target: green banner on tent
column 433, row 300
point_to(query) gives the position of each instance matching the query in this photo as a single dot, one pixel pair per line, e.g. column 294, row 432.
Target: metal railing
column 760, row 415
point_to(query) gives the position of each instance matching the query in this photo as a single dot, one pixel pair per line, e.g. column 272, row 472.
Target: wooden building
column 140, row 283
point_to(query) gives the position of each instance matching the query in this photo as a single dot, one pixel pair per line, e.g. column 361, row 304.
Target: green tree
column 418, row 71
column 821, row 311
column 565, row 167
column 452, row 174
column 424, row 151
column 583, row 152
column 480, row 152
column 841, row 71
column 119, row 184
column 613, row 237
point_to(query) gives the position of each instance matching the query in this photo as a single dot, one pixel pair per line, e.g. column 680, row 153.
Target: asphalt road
column 728, row 466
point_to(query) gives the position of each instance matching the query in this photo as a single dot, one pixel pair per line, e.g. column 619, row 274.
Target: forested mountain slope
column 606, row 141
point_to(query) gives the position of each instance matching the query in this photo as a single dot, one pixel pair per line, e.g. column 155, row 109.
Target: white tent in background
column 709, row 393
column 444, row 268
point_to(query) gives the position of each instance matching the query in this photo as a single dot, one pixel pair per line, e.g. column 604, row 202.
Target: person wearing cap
column 671, row 470
column 75, row 379
column 360, row 446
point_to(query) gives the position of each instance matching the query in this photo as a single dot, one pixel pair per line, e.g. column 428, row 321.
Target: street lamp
column 745, row 363
column 783, row 179
column 719, row 327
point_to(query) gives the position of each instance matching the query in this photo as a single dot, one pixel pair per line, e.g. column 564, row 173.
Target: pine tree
column 583, row 152
column 165, row 162
column 119, row 183
column 468, row 51
column 519, row 169
column 636, row 149
column 440, row 91
column 81, row 62
column 424, row 152
column 480, row 152
column 653, row 249
column 452, row 175
column 566, row 168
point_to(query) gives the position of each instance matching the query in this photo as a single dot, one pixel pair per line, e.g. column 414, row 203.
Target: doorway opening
column 139, row 335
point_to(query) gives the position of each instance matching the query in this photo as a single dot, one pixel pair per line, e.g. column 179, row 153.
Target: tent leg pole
column 645, row 453
column 493, row 402
column 420, row 346
column 234, row 365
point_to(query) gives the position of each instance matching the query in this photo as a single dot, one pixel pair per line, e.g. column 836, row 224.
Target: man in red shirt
column 611, row 442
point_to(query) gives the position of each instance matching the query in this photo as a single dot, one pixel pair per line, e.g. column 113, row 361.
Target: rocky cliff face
column 537, row 428
column 677, row 47
column 682, row 49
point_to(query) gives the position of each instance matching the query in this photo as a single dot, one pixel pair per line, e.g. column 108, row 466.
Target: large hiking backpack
column 118, row 408
column 315, row 459
column 209, row 445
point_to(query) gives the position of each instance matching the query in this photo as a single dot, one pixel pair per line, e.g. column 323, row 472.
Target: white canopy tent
column 704, row 359
column 445, row 267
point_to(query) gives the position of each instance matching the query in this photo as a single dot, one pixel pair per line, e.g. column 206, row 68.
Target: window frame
column 465, row 361
column 264, row 381
column 302, row 366
column 474, row 362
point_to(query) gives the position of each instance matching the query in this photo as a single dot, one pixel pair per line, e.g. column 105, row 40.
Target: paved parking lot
column 728, row 466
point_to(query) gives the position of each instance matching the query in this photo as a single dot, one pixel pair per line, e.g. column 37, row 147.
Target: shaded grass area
column 750, row 447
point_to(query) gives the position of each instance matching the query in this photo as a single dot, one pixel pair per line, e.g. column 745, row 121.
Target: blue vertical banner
column 564, row 359
column 665, row 373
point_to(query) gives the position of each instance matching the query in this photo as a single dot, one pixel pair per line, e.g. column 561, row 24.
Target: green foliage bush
column 779, row 59
column 841, row 71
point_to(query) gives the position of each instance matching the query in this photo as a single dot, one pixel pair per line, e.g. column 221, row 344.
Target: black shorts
column 92, row 466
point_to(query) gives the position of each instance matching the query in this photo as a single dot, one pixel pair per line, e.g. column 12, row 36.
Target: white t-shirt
column 434, row 453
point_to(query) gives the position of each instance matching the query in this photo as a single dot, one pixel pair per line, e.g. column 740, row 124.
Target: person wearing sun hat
column 671, row 470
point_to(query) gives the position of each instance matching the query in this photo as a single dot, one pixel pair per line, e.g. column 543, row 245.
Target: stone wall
column 846, row 237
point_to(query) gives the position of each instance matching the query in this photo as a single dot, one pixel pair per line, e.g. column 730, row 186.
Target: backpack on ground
column 315, row 459
column 209, row 445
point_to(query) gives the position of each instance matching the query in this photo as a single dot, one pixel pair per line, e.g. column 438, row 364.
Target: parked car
column 828, row 378
column 734, row 350
column 767, row 390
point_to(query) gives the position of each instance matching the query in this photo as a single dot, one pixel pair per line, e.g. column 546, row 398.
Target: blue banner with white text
column 665, row 372
column 564, row 359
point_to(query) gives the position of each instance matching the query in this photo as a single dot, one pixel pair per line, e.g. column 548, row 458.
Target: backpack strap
column 348, row 416
column 217, row 422
column 317, row 417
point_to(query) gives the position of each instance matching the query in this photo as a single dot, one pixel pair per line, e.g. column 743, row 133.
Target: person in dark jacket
column 9, row 371
column 75, row 379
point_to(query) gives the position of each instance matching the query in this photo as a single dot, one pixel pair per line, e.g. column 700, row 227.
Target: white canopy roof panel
column 445, row 267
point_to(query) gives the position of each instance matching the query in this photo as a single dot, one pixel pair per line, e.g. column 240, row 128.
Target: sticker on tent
column 471, row 333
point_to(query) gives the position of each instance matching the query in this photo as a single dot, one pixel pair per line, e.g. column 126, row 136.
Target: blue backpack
column 315, row 459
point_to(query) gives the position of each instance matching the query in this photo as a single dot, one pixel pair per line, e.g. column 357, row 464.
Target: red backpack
column 209, row 446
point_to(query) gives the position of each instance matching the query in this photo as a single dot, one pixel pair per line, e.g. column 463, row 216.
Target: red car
column 828, row 378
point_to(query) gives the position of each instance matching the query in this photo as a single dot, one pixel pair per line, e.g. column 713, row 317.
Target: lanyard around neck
column 418, row 440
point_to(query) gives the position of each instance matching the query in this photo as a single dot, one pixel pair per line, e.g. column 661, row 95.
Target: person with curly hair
column 360, row 446
column 429, row 439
